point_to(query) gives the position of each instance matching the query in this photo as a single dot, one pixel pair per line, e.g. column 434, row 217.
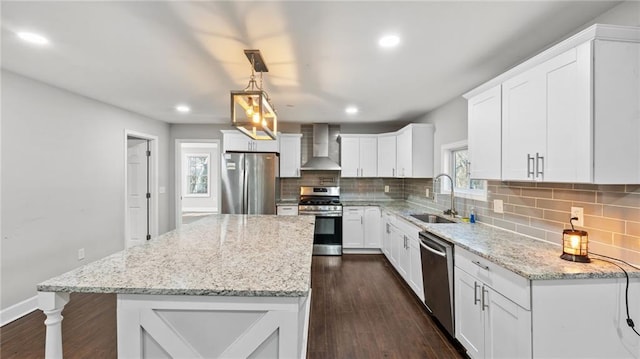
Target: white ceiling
column 147, row 57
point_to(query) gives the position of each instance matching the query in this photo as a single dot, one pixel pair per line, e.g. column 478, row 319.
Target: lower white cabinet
column 487, row 323
column 401, row 247
column 287, row 210
column 361, row 227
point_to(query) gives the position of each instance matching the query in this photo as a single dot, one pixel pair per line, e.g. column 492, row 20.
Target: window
column 197, row 175
column 455, row 162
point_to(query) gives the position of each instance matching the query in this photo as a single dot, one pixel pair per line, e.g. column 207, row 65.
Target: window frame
column 447, row 151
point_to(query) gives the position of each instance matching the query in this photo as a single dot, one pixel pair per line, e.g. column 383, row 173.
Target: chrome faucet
column 452, row 211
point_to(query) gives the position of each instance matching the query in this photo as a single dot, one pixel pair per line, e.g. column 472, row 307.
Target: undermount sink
column 431, row 218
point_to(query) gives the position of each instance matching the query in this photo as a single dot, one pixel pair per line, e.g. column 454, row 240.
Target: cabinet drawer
column 503, row 281
column 287, row 210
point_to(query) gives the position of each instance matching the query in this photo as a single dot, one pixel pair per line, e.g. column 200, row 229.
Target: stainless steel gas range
column 324, row 203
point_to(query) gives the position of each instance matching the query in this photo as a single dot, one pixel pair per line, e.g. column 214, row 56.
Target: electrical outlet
column 386, row 188
column 578, row 212
column 80, row 254
column 498, row 206
column 426, row 192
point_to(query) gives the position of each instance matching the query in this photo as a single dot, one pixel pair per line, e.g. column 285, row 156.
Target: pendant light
column 251, row 110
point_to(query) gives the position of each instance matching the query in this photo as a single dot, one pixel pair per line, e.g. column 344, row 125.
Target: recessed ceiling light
column 389, row 41
column 32, row 38
column 351, row 110
column 183, row 108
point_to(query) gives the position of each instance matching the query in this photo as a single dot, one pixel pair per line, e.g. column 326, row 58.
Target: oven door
column 327, row 237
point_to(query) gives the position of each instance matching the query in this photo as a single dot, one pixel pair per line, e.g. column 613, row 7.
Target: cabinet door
column 265, row 146
column 523, row 124
column 372, row 238
column 386, row 243
column 352, row 227
column 289, row 156
column 569, row 131
column 415, row 268
column 349, row 156
column 484, row 134
column 236, row 141
column 368, row 156
column 387, row 155
column 403, row 153
column 396, row 239
column 507, row 327
column 469, row 317
column 403, row 256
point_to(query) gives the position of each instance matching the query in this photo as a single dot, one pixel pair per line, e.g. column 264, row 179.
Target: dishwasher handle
column 433, row 250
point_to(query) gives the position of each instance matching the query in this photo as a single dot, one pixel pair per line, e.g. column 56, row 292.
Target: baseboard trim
column 18, row 310
column 361, row 250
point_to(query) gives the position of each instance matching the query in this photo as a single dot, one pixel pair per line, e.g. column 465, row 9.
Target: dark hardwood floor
column 360, row 309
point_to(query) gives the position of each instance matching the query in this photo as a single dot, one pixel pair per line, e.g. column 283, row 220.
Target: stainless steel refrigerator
column 249, row 183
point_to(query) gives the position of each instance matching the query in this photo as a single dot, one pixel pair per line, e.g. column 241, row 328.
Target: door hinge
column 148, row 153
column 148, row 195
column 148, row 236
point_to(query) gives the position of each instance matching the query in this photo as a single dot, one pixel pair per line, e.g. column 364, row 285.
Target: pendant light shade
column 251, row 110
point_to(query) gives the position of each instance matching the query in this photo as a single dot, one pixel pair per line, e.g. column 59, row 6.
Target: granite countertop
column 528, row 257
column 218, row 255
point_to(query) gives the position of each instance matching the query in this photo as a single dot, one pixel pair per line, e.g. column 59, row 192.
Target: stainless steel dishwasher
column 437, row 277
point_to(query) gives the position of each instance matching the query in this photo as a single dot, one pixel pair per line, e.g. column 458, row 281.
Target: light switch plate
column 498, row 206
column 426, row 192
column 578, row 212
column 80, row 254
column 386, row 188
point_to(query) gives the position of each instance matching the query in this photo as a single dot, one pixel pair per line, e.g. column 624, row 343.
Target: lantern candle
column 575, row 244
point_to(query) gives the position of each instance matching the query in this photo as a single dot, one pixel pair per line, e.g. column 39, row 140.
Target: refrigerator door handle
column 245, row 187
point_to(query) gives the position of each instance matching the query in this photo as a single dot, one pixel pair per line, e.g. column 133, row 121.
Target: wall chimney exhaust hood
column 320, row 160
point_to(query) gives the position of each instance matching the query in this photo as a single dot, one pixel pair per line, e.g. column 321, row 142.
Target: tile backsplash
column 542, row 210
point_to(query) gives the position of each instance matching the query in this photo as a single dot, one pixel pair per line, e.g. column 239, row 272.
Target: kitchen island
column 223, row 286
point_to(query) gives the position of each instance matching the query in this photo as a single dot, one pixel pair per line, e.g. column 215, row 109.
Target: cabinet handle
column 249, row 146
column 485, row 267
column 539, row 168
column 393, row 172
column 530, row 170
column 484, row 299
column 361, row 220
column 476, row 300
column 388, row 230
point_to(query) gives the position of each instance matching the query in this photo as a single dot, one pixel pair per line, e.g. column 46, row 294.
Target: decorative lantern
column 251, row 109
column 575, row 244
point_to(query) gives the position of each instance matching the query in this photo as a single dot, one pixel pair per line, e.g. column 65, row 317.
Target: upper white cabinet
column 290, row 156
column 358, row 155
column 387, row 155
column 569, row 114
column 235, row 141
column 485, row 134
column 414, row 151
column 547, row 132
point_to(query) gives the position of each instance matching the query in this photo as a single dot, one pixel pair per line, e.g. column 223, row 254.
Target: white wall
column 63, row 181
column 450, row 119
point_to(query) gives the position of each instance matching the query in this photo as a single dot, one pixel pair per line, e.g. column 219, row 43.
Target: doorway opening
column 141, row 178
column 197, row 179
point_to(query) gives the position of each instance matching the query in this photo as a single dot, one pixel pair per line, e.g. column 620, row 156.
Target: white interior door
column 137, row 189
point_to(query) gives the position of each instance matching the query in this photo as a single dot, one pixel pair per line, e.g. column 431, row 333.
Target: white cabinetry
column 484, row 134
column 492, row 309
column 361, row 227
column 414, row 151
column 287, row 210
column 569, row 114
column 290, row 156
column 358, row 155
column 387, row 155
column 401, row 247
column 235, row 141
column 546, row 120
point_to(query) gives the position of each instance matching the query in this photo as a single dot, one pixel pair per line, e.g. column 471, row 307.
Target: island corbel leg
column 52, row 303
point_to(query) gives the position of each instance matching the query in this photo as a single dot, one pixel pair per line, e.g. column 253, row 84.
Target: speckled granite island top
column 531, row 258
column 219, row 255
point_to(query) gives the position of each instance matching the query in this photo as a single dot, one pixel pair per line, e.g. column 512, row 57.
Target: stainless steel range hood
column 320, row 160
